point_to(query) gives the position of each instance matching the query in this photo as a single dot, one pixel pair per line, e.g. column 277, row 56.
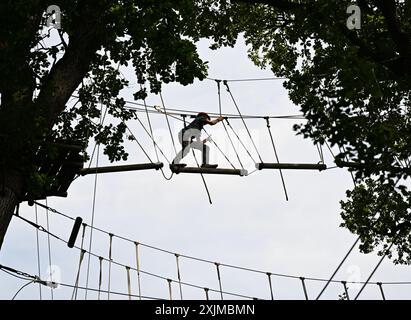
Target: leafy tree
column 353, row 86
column 39, row 74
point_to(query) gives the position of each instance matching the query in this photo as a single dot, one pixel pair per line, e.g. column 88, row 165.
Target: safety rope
column 179, row 275
column 38, row 250
column 139, row 144
column 138, row 269
column 242, row 119
column 128, row 282
column 240, row 141
column 150, row 126
column 276, row 156
column 198, row 166
column 224, row 126
column 168, row 122
column 109, row 265
column 217, row 265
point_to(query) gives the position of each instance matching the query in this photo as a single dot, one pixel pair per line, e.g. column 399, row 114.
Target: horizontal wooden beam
column 236, row 172
column 124, row 168
column 291, row 166
column 360, row 165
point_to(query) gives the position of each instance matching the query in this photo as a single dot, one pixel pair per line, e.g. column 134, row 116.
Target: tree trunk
column 10, row 192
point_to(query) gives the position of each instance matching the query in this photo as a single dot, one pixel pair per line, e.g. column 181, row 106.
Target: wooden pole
column 128, row 167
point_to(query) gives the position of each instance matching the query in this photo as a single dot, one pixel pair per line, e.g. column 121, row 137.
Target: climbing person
column 190, row 137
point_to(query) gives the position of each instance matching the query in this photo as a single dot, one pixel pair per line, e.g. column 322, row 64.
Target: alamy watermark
column 354, row 20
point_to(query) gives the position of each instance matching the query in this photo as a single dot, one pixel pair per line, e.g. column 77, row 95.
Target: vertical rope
column 100, row 277
column 93, row 212
column 49, row 248
column 168, row 123
column 150, row 126
column 267, row 119
column 128, row 283
column 109, row 265
column 169, row 289
column 225, row 128
column 240, row 141
column 38, row 251
column 206, row 293
column 270, row 284
column 179, row 275
column 381, row 290
column 138, row 269
column 345, row 289
column 198, row 165
column 219, row 279
column 74, row 295
column 304, row 287
column 242, row 119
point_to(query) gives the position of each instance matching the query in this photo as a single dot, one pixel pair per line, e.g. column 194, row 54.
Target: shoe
column 209, row 166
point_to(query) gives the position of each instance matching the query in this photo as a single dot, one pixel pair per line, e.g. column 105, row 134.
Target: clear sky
column 249, row 223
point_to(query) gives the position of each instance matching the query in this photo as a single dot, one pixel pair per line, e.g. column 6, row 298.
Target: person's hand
column 220, row 118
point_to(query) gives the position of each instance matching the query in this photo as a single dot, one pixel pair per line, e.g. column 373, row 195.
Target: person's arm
column 215, row 121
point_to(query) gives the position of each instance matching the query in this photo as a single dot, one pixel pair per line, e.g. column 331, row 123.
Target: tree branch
column 280, row 4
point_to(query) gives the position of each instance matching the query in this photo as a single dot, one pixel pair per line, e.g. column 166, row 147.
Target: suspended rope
column 242, row 119
column 240, row 141
column 224, row 126
column 138, row 269
column 217, row 265
column 320, row 152
column 74, row 295
column 169, row 289
column 276, row 156
column 100, row 277
column 109, row 265
column 344, row 283
column 38, row 250
column 152, row 138
column 338, row 268
column 231, row 266
column 304, row 287
column 375, row 269
column 179, row 276
column 270, row 284
column 93, row 205
column 49, row 251
column 198, row 166
column 249, row 80
column 219, row 149
column 381, row 290
column 139, row 144
column 168, row 123
column 206, row 293
column 128, row 282
column 150, row 126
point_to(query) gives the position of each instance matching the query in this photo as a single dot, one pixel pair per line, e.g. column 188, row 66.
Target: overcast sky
column 249, row 223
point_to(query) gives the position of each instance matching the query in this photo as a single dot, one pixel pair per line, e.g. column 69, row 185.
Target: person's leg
column 185, row 147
